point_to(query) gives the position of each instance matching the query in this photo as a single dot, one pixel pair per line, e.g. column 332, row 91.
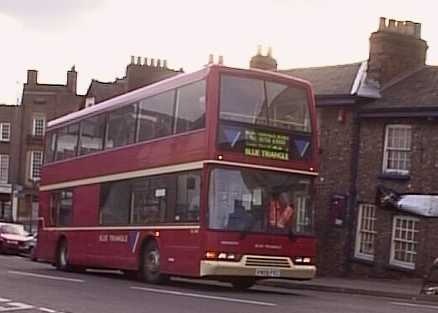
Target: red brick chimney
column 263, row 62
column 396, row 48
column 143, row 71
column 32, row 77
column 72, row 78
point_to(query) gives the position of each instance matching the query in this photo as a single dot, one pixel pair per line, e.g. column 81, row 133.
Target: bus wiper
column 290, row 234
column 246, row 230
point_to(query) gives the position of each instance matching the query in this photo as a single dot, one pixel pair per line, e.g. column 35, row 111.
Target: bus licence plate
column 267, row 272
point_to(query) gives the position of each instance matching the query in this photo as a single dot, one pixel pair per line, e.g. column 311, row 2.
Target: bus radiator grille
column 267, row 262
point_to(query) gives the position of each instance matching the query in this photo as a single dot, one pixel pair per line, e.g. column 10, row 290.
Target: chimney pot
column 259, row 50
column 158, row 62
column 210, row 59
column 152, row 62
column 382, row 24
column 132, row 59
column 138, row 60
column 391, row 25
column 165, row 64
column 417, row 33
column 221, row 60
column 410, row 28
column 145, row 61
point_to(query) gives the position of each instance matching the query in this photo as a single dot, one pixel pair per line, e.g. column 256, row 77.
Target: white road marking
column 196, row 295
column 47, row 310
column 416, row 305
column 47, row 277
column 15, row 306
column 10, row 305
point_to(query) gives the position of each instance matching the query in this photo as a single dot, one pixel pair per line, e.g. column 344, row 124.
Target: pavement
column 409, row 289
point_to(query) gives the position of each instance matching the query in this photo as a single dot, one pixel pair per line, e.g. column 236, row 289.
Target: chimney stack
column 263, row 62
column 395, row 48
column 72, row 77
column 32, row 77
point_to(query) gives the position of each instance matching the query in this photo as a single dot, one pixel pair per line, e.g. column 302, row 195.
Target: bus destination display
column 266, row 145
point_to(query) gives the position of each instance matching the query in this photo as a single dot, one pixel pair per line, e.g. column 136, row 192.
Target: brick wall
column 424, row 163
column 335, row 175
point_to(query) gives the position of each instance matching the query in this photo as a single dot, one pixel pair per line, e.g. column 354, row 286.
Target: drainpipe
column 352, row 199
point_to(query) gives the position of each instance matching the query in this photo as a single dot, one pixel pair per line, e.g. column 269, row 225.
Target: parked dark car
column 14, row 239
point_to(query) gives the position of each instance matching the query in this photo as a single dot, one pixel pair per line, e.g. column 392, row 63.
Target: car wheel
column 32, row 254
column 150, row 265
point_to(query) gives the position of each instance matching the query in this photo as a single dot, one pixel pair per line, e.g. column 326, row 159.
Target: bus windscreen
column 264, row 119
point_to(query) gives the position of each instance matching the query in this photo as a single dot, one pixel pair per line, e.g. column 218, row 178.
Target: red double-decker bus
column 208, row 175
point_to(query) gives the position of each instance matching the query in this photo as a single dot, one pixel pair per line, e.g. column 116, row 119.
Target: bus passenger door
column 182, row 240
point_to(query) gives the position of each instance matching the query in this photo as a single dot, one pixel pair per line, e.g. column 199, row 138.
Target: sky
column 98, row 37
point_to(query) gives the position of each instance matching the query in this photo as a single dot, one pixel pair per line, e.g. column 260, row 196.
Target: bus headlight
column 222, row 256
column 302, row 260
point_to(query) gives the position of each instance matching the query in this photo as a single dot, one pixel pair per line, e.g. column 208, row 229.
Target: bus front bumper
column 229, row 269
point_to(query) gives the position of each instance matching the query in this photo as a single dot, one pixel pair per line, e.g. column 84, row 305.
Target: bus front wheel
column 150, row 267
column 243, row 283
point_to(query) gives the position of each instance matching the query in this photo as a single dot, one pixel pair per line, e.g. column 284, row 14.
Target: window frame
column 361, row 231
column 3, row 155
column 60, row 133
column 140, row 108
column 110, row 122
column 166, row 182
column 37, row 118
column 5, row 126
column 56, row 198
column 179, row 106
column 266, row 104
column 31, row 167
column 80, row 151
column 387, row 150
column 415, row 241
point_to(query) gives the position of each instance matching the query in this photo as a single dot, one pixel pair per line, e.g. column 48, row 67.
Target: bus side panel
column 86, row 205
column 85, row 213
column 46, row 242
column 114, row 248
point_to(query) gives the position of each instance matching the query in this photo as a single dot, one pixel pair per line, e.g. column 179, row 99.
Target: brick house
column 378, row 127
column 40, row 104
column 9, row 148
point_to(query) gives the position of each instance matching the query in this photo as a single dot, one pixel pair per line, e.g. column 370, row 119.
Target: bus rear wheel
column 243, row 283
column 62, row 262
column 150, row 265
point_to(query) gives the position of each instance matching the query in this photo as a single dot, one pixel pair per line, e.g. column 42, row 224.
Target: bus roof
column 153, row 89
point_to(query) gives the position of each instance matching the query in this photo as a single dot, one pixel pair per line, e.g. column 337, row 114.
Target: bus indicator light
column 220, row 157
column 222, row 256
column 210, row 255
column 157, row 234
